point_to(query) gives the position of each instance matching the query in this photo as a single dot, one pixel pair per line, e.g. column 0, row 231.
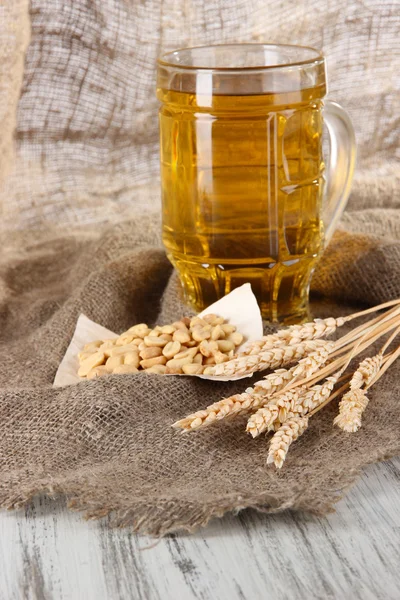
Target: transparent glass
column 243, row 173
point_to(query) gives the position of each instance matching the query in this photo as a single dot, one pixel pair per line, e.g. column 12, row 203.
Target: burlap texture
column 80, row 233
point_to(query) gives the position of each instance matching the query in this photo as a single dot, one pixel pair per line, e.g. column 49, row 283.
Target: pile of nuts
column 188, row 346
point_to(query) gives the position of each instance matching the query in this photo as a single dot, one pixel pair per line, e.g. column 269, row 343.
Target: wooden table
column 48, row 552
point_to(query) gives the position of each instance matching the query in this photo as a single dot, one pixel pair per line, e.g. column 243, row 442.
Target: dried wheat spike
column 294, row 334
column 262, row 420
column 283, row 438
column 276, row 410
column 275, row 358
column 351, row 408
column 366, row 372
column 243, row 403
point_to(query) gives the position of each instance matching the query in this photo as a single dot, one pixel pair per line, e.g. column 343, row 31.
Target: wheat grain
column 366, row 372
column 351, row 407
column 287, row 433
column 262, row 420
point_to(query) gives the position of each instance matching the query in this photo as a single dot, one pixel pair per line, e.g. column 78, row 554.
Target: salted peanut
column 191, row 344
column 92, row 346
column 193, row 369
column 220, row 357
column 217, row 333
column 236, row 338
column 197, row 322
column 181, row 325
column 84, row 355
column 209, row 361
column 201, row 333
column 114, row 361
column 166, row 336
column 213, row 319
column 171, row 349
column 158, row 369
column 198, row 359
column 154, row 332
column 125, row 370
column 169, row 329
column 125, row 338
column 151, row 340
column 208, row 347
column 140, row 330
column 228, row 328
column 208, row 371
column 186, row 321
column 191, row 352
column 182, row 336
column 225, row 345
column 151, row 352
column 137, row 341
column 142, row 346
column 95, row 360
column 177, row 363
column 119, row 350
column 132, row 359
column 107, row 346
column 173, row 371
column 150, row 362
column 97, row 372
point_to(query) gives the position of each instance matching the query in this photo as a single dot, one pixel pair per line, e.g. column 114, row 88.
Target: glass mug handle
column 340, row 166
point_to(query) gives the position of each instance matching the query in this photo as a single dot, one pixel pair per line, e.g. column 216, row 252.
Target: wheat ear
column 287, row 433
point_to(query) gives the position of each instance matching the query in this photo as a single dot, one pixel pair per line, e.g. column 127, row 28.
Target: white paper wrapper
column 239, row 308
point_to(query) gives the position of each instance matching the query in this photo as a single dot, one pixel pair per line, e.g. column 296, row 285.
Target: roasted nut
column 207, row 347
column 166, row 336
column 181, row 336
column 84, row 355
column 158, row 369
column 191, row 344
column 169, row 329
column 95, row 360
column 213, row 319
column 193, row 369
column 125, row 370
column 107, row 346
column 150, row 362
column 191, row 352
column 171, row 349
column 225, row 345
column 92, row 346
column 186, row 321
column 125, row 338
column 173, row 371
column 151, row 340
column 150, row 352
column 153, row 332
column 97, row 372
column 119, row 350
column 217, row 333
column 209, row 361
column 114, row 361
column 137, row 341
column 198, row 359
column 177, row 363
column 180, row 325
column 220, row 357
column 228, row 328
column 132, row 359
column 140, row 330
column 197, row 322
column 236, row 338
column 208, row 371
column 201, row 333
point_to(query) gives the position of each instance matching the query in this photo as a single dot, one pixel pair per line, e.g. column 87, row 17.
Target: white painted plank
column 48, row 552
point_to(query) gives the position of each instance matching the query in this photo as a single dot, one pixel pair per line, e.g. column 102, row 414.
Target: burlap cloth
column 79, row 230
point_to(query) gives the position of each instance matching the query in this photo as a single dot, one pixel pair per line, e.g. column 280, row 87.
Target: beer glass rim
column 171, row 59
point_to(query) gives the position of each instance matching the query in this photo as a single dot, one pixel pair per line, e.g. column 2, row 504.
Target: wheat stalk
column 351, row 407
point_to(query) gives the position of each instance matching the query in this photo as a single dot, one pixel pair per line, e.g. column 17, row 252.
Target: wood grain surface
column 48, row 552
